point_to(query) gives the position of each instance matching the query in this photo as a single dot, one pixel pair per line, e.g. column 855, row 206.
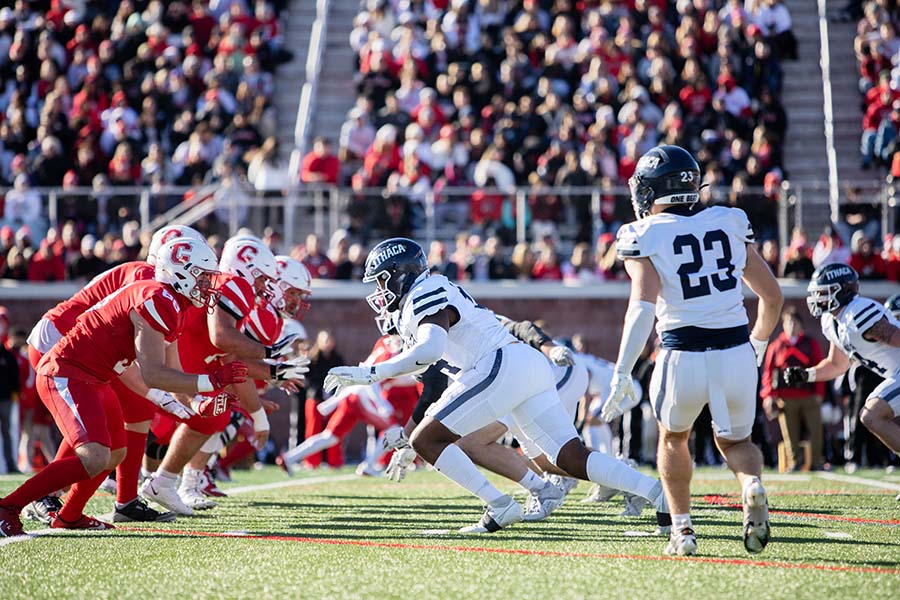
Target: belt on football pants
column 699, row 339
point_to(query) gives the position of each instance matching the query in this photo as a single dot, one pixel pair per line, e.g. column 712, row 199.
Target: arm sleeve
column 428, row 350
column 638, row 325
column 815, row 355
column 528, row 332
column 628, row 243
column 743, row 228
column 237, row 298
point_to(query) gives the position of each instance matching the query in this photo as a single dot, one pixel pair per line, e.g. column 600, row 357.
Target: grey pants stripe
column 474, row 390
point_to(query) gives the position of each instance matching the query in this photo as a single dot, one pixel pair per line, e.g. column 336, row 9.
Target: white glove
column 168, row 403
column 621, row 393
column 282, row 347
column 288, row 370
column 562, row 356
column 393, row 438
column 341, row 377
column 400, row 462
column 759, row 346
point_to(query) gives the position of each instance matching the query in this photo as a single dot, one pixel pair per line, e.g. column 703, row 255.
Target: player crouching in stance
column 686, row 264
column 861, row 329
column 134, row 324
column 497, row 375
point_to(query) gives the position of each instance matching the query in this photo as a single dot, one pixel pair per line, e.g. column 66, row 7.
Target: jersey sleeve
column 263, row 325
column 162, row 312
column 743, row 230
column 629, row 243
column 866, row 315
column 425, row 300
column 237, row 298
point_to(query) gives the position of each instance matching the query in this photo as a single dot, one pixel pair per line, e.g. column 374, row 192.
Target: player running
column 133, row 325
column 497, row 375
column 686, row 265
column 863, row 330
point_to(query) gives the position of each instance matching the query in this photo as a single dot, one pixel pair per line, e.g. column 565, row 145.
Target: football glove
column 759, row 346
column 621, row 393
column 282, row 347
column 233, row 372
column 292, row 369
column 341, row 377
column 212, row 406
column 794, row 376
column 562, row 356
column 168, row 403
column 400, row 462
column 394, row 437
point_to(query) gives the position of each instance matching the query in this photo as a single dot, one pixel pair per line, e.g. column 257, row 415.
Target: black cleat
column 137, row 510
column 40, row 510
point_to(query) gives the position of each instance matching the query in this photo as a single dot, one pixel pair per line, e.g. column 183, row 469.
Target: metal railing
column 828, row 109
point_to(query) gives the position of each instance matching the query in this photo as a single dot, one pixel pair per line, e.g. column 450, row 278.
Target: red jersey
column 263, row 324
column 101, row 345
column 195, row 349
column 64, row 314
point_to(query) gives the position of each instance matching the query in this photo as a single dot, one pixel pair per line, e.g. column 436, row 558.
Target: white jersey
column 700, row 260
column 846, row 332
column 477, row 334
column 601, row 374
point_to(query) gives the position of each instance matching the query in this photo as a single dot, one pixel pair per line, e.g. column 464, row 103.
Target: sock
column 680, row 522
column 613, row 473
column 166, row 476
column 128, row 470
column 456, row 466
column 78, row 497
column 238, row 452
column 532, row 482
column 750, row 481
column 145, row 473
column 310, row 446
column 58, row 474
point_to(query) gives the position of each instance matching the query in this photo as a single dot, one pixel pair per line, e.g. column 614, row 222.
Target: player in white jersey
column 686, row 265
column 498, row 375
column 862, row 330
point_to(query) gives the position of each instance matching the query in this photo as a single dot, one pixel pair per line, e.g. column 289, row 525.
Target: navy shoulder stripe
column 423, row 307
column 629, row 252
column 865, row 313
column 428, row 295
column 870, row 319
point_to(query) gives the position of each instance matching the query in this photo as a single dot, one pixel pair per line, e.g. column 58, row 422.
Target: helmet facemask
column 641, row 196
column 823, row 298
column 292, row 302
column 263, row 285
column 204, row 293
column 383, row 300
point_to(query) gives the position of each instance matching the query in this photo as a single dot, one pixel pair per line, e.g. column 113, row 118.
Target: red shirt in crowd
column 783, row 353
column 869, row 267
column 329, row 166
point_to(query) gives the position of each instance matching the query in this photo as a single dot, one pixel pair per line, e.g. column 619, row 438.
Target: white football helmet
column 248, row 258
column 190, row 268
column 166, row 234
column 293, row 288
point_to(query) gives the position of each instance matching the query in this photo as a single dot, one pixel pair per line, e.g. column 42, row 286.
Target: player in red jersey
column 137, row 410
column 250, row 272
column 132, row 325
column 382, row 406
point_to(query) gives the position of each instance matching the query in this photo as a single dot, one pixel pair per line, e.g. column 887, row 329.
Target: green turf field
column 334, row 535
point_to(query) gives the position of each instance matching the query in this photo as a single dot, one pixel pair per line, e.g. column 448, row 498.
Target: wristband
column 156, row 396
column 204, row 384
column 260, row 420
column 810, row 375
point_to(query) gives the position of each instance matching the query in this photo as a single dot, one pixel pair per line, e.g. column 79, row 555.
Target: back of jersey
column 700, row 259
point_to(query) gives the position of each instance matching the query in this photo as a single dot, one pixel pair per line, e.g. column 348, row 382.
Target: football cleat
column 496, row 518
column 10, row 524
column 566, row 484
column 191, row 490
column 40, row 510
column 634, row 505
column 108, row 485
column 682, row 543
column 364, row 470
column 282, row 462
column 756, row 517
column 84, row 522
column 208, row 486
column 600, row 493
column 221, row 472
column 137, row 510
column 539, row 506
column 163, row 492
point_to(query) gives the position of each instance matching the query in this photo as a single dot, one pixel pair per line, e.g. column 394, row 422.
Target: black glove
column 794, row 376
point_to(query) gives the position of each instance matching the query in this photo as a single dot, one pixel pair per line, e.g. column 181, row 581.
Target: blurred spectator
column 16, row 266
column 581, row 267
column 353, row 268
column 86, row 265
column 45, row 265
column 320, row 165
column 318, row 263
column 868, row 263
column 356, row 136
column 9, row 392
column 830, row 248
column 547, row 266
column 438, row 263
column 797, row 406
column 798, row 262
column 23, row 207
column 523, row 261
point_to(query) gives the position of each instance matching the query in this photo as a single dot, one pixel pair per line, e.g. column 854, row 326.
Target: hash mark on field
column 525, row 552
column 246, row 489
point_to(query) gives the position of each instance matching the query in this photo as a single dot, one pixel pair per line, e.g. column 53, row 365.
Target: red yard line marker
column 524, row 552
column 725, row 502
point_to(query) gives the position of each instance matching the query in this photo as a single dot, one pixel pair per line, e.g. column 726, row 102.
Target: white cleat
column 634, row 505
column 162, row 491
column 108, row 485
column 682, row 543
column 756, row 517
column 600, row 493
column 496, row 518
column 566, row 484
column 191, row 491
column 539, row 506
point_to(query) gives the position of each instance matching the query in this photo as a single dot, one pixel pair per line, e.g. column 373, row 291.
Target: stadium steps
column 336, row 80
column 291, row 76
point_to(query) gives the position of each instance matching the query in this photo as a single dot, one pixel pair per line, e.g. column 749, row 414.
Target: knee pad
column 154, row 449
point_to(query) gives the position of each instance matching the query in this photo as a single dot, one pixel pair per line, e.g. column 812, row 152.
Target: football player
column 686, row 265
column 497, row 376
column 133, row 325
column 137, row 410
column 862, row 330
column 249, row 285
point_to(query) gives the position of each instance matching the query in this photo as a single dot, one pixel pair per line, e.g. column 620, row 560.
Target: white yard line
column 728, row 475
column 287, row 484
column 884, row 485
